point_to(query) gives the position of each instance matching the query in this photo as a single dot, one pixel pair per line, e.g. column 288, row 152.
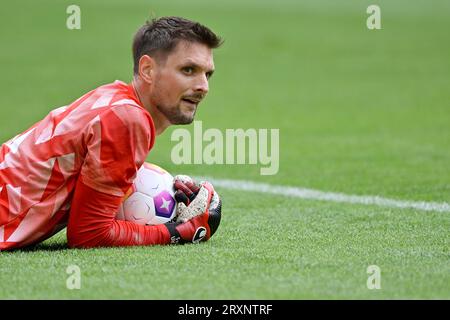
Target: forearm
column 92, row 223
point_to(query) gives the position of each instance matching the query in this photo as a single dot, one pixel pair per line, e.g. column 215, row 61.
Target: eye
column 188, row 70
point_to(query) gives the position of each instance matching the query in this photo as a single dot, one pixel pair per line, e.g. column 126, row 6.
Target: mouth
column 191, row 101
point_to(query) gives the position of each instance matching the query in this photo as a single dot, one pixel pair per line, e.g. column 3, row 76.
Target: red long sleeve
column 92, row 223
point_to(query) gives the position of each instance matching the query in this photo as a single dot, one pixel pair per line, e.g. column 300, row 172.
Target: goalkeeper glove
column 198, row 211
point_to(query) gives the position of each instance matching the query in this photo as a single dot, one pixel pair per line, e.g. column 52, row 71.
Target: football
column 150, row 200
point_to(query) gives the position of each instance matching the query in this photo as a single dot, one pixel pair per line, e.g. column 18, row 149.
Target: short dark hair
column 162, row 35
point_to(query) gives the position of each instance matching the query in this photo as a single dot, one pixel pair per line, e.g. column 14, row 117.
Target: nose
column 202, row 85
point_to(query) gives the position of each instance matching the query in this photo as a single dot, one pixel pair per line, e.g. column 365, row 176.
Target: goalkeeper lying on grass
column 74, row 167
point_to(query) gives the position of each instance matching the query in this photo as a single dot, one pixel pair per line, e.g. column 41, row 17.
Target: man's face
column 181, row 81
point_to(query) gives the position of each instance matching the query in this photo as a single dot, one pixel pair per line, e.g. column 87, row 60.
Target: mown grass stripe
column 312, row 194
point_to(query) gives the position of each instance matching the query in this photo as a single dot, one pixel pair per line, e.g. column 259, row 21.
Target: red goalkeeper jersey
column 73, row 168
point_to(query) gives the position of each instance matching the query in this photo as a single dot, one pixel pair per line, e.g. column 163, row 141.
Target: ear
column 146, row 68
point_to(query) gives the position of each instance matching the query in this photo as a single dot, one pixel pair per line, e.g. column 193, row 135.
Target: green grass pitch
column 363, row 112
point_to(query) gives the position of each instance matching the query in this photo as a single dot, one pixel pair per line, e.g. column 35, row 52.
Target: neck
column 143, row 94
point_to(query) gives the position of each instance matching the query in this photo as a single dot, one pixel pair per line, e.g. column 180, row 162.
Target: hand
column 193, row 199
column 199, row 212
column 186, row 189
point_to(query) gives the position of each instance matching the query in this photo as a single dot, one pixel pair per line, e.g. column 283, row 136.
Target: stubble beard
column 175, row 115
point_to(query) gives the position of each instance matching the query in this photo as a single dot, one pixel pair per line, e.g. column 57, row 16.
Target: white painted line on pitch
column 303, row 193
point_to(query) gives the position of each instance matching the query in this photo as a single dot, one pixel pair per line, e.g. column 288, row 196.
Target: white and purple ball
column 150, row 200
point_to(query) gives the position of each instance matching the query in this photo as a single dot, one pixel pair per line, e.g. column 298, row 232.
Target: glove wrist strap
column 175, row 237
